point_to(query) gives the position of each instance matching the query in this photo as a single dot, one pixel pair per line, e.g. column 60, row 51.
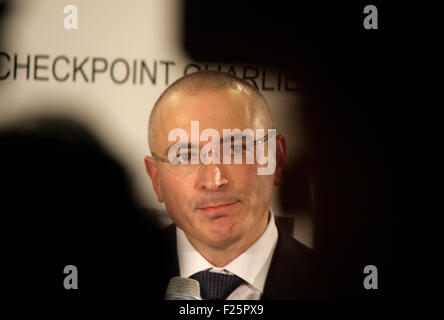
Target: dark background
column 374, row 111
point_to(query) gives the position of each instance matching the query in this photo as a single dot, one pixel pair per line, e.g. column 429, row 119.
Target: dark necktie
column 216, row 286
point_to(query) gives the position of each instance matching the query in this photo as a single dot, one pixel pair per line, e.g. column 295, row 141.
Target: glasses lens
column 185, row 161
column 236, row 151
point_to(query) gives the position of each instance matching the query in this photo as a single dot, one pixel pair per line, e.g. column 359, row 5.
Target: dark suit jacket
column 293, row 274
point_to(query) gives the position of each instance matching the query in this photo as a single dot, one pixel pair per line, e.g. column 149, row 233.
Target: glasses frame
column 255, row 142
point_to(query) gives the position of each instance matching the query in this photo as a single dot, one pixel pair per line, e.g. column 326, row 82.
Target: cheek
column 257, row 189
column 172, row 186
column 177, row 194
column 247, row 180
column 263, row 191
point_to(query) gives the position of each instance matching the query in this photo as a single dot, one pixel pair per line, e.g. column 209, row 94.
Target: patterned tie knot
column 216, row 286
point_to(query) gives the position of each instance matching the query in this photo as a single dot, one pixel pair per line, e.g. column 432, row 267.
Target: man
column 224, row 232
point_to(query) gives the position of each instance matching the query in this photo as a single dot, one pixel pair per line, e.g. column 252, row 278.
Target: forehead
column 217, row 109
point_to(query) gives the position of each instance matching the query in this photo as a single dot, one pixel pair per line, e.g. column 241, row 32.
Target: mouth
column 218, row 209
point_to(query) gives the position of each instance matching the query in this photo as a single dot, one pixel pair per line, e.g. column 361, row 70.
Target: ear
column 281, row 153
column 153, row 172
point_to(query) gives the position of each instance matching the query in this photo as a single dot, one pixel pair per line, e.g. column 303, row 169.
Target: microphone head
column 183, row 289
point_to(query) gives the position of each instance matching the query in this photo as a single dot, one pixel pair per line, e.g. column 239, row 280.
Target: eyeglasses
column 241, row 153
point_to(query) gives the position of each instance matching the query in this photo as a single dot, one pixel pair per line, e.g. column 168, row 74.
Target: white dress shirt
column 252, row 265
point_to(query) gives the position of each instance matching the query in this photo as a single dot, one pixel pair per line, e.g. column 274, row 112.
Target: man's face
column 216, row 204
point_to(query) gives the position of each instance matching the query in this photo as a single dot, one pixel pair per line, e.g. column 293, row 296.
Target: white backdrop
column 121, row 38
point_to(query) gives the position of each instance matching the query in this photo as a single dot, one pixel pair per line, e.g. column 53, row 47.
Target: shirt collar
column 252, row 265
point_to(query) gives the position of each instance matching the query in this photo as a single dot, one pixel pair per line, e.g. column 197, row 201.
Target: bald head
column 198, row 84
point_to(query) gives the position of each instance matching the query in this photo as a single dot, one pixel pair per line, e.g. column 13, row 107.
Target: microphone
column 183, row 289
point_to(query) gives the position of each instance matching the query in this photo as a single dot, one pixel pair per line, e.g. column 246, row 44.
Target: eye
column 238, row 148
column 184, row 157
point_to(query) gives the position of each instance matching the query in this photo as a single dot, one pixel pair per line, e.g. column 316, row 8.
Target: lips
column 217, row 208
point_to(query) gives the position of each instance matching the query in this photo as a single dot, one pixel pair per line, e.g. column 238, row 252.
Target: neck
column 221, row 256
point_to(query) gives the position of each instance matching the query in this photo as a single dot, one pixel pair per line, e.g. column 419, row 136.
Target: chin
column 221, row 243
column 223, row 236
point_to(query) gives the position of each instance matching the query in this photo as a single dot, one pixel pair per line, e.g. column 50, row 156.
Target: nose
column 212, row 177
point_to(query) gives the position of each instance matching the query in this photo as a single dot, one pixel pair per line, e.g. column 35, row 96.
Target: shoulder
column 168, row 238
column 293, row 257
column 294, row 270
column 295, row 253
column 169, row 232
